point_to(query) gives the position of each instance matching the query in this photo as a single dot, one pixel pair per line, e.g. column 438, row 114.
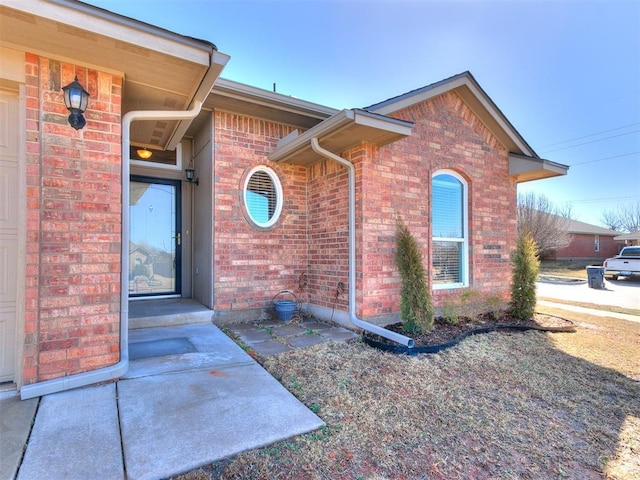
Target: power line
column 592, row 141
column 594, row 200
column 590, row 135
column 605, row 158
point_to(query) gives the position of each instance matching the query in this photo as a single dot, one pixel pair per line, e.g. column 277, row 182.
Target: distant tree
column 625, row 218
column 546, row 224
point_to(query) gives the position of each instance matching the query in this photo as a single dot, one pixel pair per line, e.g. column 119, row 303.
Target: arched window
column 449, row 218
column 263, row 196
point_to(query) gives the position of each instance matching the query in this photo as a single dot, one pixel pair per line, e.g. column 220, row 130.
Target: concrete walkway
column 624, row 293
column 170, row 414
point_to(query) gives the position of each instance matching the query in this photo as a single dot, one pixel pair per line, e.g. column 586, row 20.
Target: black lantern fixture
column 76, row 99
column 191, row 173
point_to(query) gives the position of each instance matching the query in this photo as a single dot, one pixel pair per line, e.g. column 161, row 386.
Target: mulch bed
column 445, row 334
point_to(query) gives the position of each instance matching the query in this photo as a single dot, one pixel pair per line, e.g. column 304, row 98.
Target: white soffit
column 162, row 70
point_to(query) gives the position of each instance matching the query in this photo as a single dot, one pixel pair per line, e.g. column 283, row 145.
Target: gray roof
column 575, row 226
column 629, row 236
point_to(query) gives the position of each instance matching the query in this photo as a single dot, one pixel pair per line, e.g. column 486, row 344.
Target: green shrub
column 523, row 283
column 416, row 308
column 494, row 305
column 450, row 312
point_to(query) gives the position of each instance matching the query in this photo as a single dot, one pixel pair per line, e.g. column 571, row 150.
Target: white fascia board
column 218, row 62
column 380, row 122
column 497, row 115
column 124, row 29
column 521, row 164
column 462, row 80
column 339, row 120
column 420, row 95
column 264, row 97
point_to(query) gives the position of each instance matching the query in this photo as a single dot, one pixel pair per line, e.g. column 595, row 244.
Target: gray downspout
column 370, row 327
column 117, row 370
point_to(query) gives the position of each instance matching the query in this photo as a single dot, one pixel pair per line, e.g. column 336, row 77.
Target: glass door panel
column 154, row 247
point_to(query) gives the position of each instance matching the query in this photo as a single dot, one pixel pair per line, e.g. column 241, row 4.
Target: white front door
column 8, row 232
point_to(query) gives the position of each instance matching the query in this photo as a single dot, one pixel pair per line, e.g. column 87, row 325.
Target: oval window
column 263, row 196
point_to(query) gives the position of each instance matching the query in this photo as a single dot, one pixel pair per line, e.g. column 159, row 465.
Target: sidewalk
column 589, row 311
column 620, row 293
column 170, row 414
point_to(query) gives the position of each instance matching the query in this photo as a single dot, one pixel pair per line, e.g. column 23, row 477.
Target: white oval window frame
column 279, row 196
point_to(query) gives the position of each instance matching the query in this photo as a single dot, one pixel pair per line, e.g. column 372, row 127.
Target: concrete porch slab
column 15, row 424
column 171, row 414
column 213, row 347
column 173, row 423
column 75, row 436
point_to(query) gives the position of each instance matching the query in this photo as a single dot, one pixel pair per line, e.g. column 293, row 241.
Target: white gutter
column 370, row 327
column 119, row 369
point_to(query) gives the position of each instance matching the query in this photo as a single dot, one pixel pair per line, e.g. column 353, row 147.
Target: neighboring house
column 632, row 238
column 588, row 242
column 284, row 188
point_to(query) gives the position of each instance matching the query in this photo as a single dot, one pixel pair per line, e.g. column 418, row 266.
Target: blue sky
column 565, row 73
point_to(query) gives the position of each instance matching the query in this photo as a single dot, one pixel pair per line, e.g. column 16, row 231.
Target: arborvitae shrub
column 525, row 273
column 416, row 308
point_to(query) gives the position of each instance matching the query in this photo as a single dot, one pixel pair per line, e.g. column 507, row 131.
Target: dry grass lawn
column 501, row 405
column 567, row 268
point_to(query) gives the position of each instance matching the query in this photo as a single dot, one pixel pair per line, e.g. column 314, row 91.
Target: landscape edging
column 404, row 350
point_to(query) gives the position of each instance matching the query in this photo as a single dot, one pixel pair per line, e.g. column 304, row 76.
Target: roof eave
column 162, row 70
column 339, row 133
column 526, row 169
column 470, row 91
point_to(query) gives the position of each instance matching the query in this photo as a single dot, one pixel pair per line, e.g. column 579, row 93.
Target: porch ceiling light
column 191, row 173
column 76, row 99
column 144, row 154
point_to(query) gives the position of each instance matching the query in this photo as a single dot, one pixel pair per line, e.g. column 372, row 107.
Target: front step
column 167, row 312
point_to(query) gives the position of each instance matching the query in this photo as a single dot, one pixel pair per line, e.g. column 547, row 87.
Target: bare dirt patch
column 521, row 405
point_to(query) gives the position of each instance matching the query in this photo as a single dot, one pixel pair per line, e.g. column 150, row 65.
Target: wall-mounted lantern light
column 191, row 173
column 76, row 99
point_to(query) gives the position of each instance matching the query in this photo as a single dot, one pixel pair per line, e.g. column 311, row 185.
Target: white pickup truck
column 625, row 264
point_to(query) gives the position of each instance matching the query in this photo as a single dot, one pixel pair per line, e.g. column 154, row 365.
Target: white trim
column 120, row 27
column 465, row 231
column 22, row 235
column 279, row 196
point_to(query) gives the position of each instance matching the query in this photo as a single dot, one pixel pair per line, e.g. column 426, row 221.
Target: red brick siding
column 328, row 233
column 582, row 246
column 73, row 224
column 397, row 178
column 252, row 265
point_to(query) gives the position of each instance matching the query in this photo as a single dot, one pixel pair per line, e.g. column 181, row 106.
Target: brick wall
column 252, row 265
column 73, row 224
column 446, row 135
column 582, row 247
column 396, row 179
column 328, row 233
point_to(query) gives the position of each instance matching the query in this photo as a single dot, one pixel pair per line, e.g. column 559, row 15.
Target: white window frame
column 596, row 241
column 279, row 196
column 464, row 241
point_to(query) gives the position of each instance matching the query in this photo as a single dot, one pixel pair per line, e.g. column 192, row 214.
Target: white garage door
column 8, row 232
